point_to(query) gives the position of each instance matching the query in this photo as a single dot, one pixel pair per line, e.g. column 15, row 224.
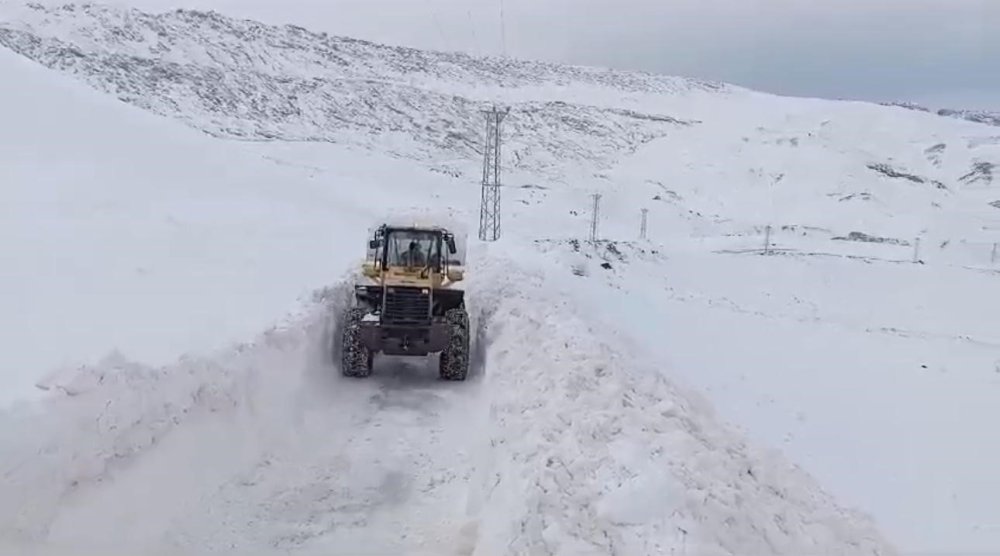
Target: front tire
column 355, row 359
column 454, row 361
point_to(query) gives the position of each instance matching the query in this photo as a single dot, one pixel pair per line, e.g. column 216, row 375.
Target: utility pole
column 489, row 208
column 642, row 226
column 594, row 216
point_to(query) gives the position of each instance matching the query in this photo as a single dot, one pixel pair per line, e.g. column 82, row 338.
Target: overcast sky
column 939, row 52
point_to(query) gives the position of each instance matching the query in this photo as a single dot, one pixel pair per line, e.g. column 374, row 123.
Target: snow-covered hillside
column 237, row 78
column 630, row 397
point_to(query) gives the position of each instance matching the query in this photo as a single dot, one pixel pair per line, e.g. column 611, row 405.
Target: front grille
column 409, row 306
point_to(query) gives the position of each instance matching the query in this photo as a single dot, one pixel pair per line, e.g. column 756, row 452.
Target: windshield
column 412, row 248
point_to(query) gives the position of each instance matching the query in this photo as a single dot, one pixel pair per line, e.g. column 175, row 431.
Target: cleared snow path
column 563, row 441
column 264, row 448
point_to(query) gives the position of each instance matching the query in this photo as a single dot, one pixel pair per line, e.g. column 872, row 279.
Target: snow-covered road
column 562, row 440
column 277, row 452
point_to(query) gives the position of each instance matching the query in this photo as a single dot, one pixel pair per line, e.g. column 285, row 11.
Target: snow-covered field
column 683, row 394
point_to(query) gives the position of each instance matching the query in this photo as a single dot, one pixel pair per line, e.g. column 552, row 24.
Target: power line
column 503, row 31
column 472, row 28
column 437, row 23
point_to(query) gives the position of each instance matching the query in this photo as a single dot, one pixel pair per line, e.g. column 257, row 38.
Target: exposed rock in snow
column 987, row 117
column 934, row 153
column 888, row 171
column 982, row 173
column 978, row 116
column 907, row 105
column 860, row 236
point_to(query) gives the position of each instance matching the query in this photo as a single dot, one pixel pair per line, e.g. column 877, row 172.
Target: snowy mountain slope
column 238, row 78
column 841, row 168
column 209, row 36
column 832, row 171
column 709, row 316
column 291, row 84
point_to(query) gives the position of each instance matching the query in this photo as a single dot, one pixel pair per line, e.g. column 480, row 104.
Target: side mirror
column 451, row 245
column 373, row 244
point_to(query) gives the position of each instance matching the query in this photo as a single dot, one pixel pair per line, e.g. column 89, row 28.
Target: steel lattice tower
column 595, row 216
column 489, row 209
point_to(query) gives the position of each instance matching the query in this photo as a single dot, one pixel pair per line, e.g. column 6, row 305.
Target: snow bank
column 588, row 450
column 595, row 452
column 784, row 347
column 109, row 414
column 262, row 448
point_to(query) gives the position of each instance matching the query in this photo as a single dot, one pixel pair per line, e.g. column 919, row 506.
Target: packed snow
column 799, row 358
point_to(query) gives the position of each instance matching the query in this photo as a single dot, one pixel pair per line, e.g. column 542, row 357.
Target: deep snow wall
column 104, row 417
column 593, row 451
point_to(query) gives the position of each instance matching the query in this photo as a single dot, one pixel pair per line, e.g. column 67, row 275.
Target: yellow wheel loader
column 409, row 302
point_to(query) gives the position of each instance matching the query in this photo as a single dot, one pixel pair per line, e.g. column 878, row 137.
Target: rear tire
column 454, row 361
column 355, row 359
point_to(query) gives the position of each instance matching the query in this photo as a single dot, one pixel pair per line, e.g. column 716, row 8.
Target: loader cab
column 414, row 255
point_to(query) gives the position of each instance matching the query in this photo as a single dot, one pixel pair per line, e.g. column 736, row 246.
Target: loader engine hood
column 395, row 276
